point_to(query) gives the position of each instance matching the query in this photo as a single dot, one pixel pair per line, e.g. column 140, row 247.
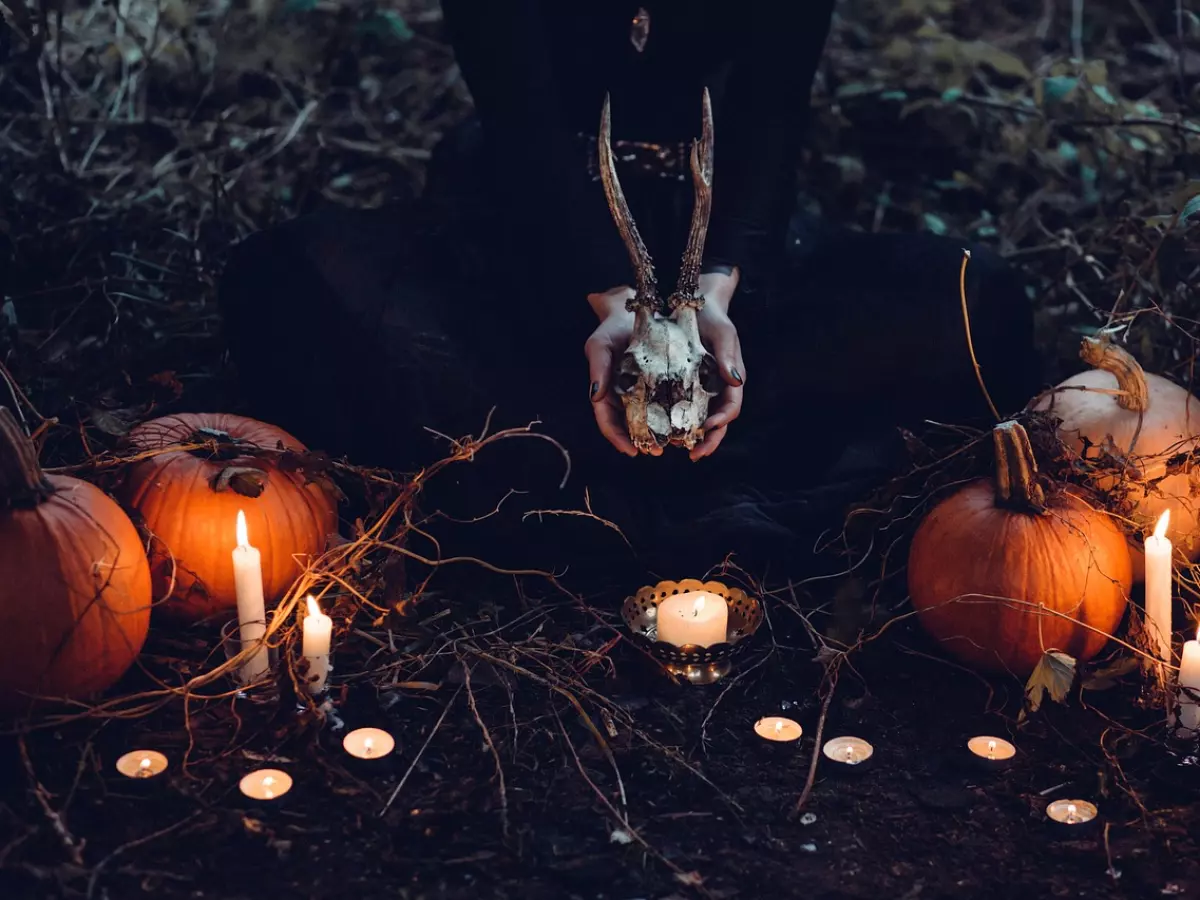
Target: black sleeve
column 759, row 126
column 501, row 48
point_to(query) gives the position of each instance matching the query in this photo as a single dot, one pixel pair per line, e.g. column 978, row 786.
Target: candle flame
column 313, row 609
column 991, row 749
column 268, row 780
column 1072, row 813
column 778, row 726
column 849, row 753
column 698, row 605
column 368, row 746
column 144, row 767
column 243, row 534
column 1160, row 529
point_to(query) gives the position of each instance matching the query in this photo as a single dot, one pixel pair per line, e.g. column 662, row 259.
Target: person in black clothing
column 420, row 318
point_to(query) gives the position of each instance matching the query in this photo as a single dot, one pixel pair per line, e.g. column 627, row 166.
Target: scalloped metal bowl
column 696, row 664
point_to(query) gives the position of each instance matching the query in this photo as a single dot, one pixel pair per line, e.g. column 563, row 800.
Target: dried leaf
column 1107, row 677
column 241, row 480
column 109, row 422
column 1053, row 677
column 999, row 61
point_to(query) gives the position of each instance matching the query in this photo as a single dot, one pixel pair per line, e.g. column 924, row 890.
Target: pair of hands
column 608, row 342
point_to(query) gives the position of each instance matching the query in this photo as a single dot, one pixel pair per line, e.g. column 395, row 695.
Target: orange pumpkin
column 75, row 590
column 188, row 501
column 1004, row 539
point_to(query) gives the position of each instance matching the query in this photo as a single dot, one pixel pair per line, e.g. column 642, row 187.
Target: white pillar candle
column 1189, row 677
column 696, row 617
column 1158, row 589
column 252, row 610
column 318, row 633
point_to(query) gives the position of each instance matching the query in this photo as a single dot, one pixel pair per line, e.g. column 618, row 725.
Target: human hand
column 603, row 348
column 719, row 335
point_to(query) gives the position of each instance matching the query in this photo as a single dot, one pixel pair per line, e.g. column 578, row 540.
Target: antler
column 688, row 286
column 643, row 266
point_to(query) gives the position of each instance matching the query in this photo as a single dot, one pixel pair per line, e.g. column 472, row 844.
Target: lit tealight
column 1071, row 813
column 990, row 752
column 778, row 729
column 142, row 764
column 848, row 751
column 265, row 784
column 368, row 743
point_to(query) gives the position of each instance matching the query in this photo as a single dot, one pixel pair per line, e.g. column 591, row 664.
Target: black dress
column 366, row 331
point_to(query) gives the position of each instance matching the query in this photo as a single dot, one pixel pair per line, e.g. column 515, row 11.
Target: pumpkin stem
column 1102, row 353
column 22, row 481
column 1016, row 470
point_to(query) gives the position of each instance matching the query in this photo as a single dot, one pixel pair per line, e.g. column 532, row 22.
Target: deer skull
column 665, row 378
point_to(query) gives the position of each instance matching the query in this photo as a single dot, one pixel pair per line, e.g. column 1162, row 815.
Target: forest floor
column 540, row 755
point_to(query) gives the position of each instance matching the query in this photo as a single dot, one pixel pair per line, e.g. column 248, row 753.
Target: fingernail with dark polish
column 595, row 387
column 737, row 376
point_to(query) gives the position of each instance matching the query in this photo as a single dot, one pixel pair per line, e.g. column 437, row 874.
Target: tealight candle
column 779, row 734
column 848, row 753
column 1158, row 550
column 318, row 633
column 370, row 749
column 142, row 764
column 265, row 786
column 1071, row 816
column 252, row 612
column 991, row 753
column 694, row 617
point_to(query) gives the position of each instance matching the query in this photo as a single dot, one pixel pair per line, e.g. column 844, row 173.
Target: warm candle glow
column 313, row 609
column 368, row 743
column 1071, row 812
column 992, row 749
column 1164, row 521
column 243, row 533
column 778, row 729
column 142, row 764
column 265, row 784
column 848, row 750
column 693, row 617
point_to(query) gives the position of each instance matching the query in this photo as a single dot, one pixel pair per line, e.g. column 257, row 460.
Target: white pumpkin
column 1149, row 420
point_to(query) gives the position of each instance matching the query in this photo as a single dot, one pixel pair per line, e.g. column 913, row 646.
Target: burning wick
column 697, row 607
column 144, row 767
column 1072, row 814
column 849, row 753
column 368, row 746
column 267, row 782
column 778, row 727
column 991, row 749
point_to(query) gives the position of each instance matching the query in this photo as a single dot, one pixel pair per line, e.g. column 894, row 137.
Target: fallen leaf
column 1107, row 677
column 1053, row 676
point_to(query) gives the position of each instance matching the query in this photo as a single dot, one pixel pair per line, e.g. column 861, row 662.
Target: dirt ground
column 540, row 753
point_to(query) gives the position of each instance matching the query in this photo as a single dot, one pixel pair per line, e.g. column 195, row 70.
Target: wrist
column 718, row 288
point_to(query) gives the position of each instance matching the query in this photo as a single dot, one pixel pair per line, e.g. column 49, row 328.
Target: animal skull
column 665, row 378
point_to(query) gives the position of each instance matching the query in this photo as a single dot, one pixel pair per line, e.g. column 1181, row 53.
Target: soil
column 540, row 752
column 690, row 801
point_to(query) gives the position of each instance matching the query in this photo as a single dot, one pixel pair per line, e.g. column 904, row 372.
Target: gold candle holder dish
column 695, row 664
